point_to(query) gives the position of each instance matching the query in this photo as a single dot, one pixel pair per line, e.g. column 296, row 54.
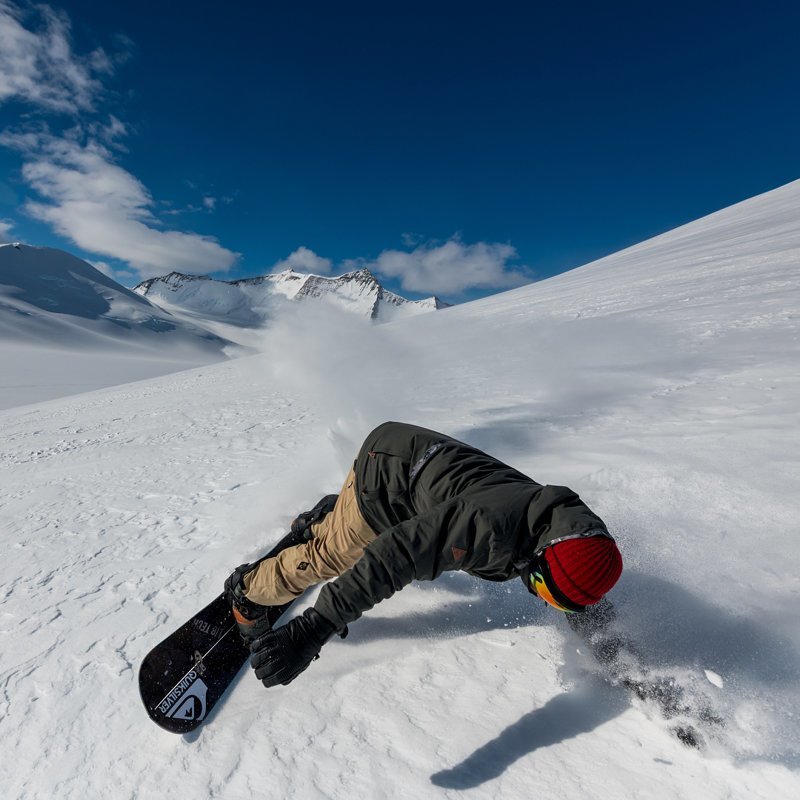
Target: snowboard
column 183, row 677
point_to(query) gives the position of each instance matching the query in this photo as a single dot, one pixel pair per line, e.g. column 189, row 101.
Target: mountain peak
column 361, row 273
column 250, row 301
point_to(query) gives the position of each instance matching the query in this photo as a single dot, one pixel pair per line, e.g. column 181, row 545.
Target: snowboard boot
column 251, row 618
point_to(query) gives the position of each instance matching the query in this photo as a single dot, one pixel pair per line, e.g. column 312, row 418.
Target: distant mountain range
column 252, row 301
column 51, row 298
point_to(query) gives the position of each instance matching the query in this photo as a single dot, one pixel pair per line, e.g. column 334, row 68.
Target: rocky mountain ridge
column 250, row 301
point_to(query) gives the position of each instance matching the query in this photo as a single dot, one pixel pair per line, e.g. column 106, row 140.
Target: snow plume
column 361, row 374
column 347, row 369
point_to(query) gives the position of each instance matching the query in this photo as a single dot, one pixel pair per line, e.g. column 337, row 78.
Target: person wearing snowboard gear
column 415, row 504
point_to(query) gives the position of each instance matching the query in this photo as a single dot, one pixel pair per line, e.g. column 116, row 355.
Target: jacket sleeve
column 418, row 549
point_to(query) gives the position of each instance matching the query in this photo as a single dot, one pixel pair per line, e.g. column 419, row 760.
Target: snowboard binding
column 251, row 618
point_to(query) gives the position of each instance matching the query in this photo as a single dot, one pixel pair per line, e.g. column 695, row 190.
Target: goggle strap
column 558, row 595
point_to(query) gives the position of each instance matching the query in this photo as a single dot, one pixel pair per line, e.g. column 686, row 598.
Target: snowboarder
column 417, row 503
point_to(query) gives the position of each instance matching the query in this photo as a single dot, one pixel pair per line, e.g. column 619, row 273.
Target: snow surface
column 661, row 383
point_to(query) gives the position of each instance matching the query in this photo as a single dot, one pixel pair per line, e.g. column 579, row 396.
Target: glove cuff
column 322, row 628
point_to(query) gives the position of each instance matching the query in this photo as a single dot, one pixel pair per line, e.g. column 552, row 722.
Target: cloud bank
column 84, row 194
column 453, row 267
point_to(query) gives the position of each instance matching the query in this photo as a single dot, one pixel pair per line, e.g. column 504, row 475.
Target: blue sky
column 454, row 148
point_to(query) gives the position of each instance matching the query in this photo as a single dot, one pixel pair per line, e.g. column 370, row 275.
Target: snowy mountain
column 660, row 383
column 65, row 326
column 252, row 301
column 47, row 295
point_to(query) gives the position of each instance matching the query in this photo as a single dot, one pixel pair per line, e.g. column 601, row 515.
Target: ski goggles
column 539, row 585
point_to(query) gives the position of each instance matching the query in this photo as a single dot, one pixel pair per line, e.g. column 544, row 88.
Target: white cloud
column 453, row 267
column 104, row 209
column 109, row 133
column 84, row 194
column 210, row 203
column 5, row 230
column 40, row 67
column 305, row 260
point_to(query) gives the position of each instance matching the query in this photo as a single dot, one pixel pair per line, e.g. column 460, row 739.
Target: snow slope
column 661, row 383
column 253, row 301
column 65, row 327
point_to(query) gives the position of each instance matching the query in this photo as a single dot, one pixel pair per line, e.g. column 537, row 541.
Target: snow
column 65, row 327
column 254, row 302
column 660, row 383
column 713, row 678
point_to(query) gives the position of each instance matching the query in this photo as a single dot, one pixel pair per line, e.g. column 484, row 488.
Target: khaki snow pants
column 339, row 540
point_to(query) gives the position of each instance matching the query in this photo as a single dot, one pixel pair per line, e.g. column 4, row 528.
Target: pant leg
column 339, row 540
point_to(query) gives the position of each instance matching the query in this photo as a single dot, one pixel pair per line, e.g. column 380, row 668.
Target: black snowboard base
column 183, row 677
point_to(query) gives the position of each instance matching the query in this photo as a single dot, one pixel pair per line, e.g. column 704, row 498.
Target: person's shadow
column 562, row 717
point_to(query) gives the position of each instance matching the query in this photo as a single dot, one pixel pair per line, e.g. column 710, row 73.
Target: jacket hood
column 554, row 513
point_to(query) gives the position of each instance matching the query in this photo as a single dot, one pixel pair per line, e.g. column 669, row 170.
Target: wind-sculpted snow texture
column 660, row 383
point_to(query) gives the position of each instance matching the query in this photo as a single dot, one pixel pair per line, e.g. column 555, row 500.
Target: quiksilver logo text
column 175, row 695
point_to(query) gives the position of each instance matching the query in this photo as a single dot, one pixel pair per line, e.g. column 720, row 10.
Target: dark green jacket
column 438, row 504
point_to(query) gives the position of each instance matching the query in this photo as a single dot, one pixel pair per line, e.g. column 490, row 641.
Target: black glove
column 282, row 654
